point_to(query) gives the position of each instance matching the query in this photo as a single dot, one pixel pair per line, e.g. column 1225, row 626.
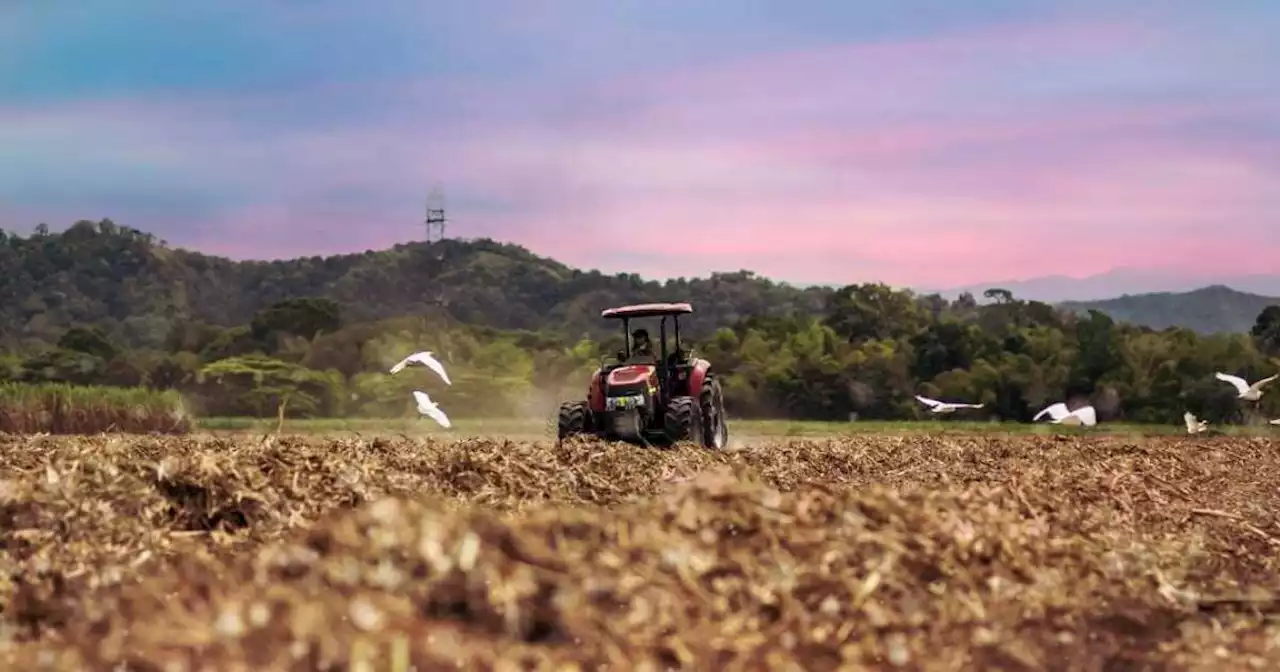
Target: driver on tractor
column 640, row 344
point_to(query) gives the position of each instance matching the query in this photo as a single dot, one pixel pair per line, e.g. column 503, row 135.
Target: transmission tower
column 435, row 220
column 435, row 229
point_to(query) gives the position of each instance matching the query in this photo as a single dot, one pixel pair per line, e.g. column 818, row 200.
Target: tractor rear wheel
column 715, row 429
column 682, row 421
column 574, row 419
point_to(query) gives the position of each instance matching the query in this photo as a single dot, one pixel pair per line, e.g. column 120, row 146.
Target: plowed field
column 1010, row 552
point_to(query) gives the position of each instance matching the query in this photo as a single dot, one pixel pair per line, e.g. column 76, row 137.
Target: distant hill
column 1207, row 310
column 1114, row 283
column 136, row 288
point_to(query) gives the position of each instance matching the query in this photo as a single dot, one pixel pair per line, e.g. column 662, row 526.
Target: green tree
column 1266, row 331
column 88, row 340
column 999, row 295
column 304, row 318
column 872, row 311
column 262, row 386
column 1098, row 342
column 942, row 346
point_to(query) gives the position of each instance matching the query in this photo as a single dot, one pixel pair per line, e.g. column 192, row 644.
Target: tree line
column 865, row 353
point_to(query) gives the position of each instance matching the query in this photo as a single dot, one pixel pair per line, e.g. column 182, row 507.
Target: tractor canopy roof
column 646, row 310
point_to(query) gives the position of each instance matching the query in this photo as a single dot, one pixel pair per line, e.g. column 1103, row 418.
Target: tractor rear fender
column 595, row 393
column 701, row 369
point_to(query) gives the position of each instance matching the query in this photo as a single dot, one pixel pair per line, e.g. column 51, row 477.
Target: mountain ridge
column 1207, row 310
column 137, row 288
column 1116, row 283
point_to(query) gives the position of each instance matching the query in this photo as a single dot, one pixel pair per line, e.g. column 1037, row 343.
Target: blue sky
column 926, row 143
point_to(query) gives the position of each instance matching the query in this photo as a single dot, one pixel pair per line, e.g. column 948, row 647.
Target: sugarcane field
column 284, row 552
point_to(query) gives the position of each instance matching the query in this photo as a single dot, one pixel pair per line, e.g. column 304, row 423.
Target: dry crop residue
column 942, row 553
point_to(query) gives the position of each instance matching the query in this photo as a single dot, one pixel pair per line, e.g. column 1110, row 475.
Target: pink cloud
column 1051, row 203
column 910, row 242
column 863, row 82
column 966, row 195
column 919, row 163
column 922, row 56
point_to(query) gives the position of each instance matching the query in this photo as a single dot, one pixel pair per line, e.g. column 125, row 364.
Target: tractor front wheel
column 574, row 419
column 683, row 420
column 715, row 429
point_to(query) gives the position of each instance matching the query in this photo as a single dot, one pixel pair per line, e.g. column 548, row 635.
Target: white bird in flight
column 426, row 359
column 1194, row 426
column 1276, row 421
column 1247, row 392
column 1057, row 411
column 1061, row 415
column 431, row 409
column 936, row 406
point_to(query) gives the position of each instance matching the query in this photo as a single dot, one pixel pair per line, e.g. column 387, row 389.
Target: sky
column 923, row 143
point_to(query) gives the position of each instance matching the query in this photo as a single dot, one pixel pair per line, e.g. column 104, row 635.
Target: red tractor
column 661, row 397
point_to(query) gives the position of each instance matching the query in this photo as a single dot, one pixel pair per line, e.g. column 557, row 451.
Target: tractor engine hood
column 633, row 374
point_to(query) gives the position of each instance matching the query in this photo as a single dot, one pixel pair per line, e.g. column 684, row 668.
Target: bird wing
column 438, row 415
column 1240, row 384
column 1087, row 414
column 1190, row 420
column 1258, row 385
column 1056, row 411
column 1276, row 421
column 434, row 364
column 431, row 409
column 402, row 363
column 424, row 402
column 969, row 405
column 931, row 403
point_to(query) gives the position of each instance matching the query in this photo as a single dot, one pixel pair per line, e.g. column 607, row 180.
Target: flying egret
column 1247, row 392
column 1194, row 426
column 431, row 409
column 1056, row 412
column 1085, row 415
column 1276, row 421
column 426, row 359
column 1059, row 414
column 936, row 406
